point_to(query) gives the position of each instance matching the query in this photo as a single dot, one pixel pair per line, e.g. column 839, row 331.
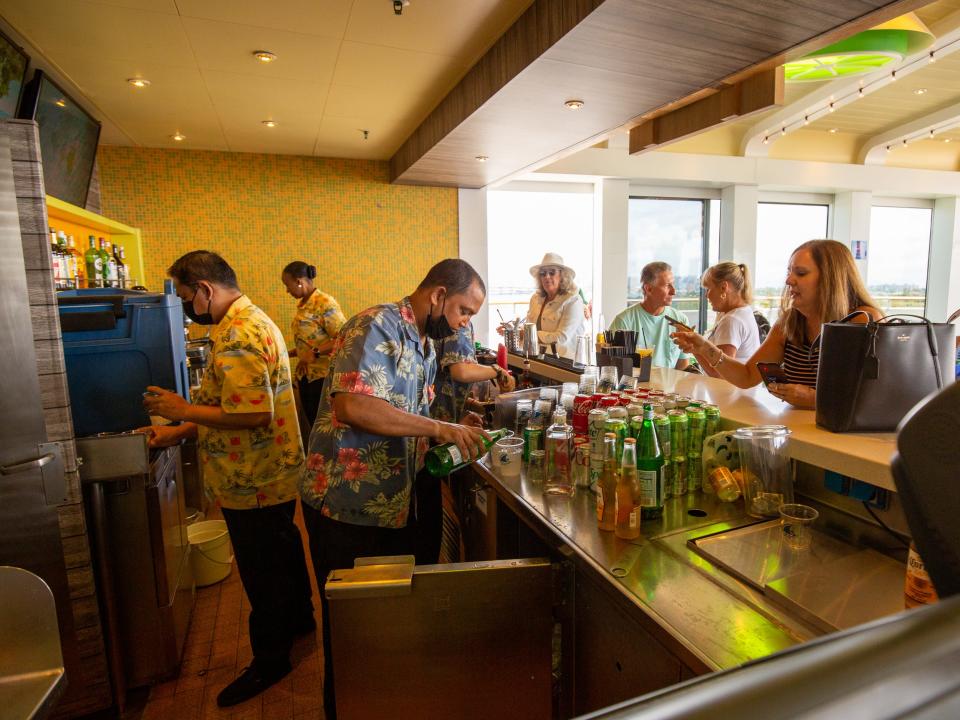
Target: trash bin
column 212, row 555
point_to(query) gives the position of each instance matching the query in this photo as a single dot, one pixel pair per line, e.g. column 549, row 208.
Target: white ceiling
column 344, row 66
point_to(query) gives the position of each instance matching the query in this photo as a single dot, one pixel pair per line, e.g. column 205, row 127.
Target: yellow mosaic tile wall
column 371, row 241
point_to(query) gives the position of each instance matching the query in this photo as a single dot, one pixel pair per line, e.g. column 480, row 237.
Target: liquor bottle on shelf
column 109, row 264
column 79, row 264
column 57, row 261
column 68, row 267
column 94, row 264
column 607, row 487
column 558, row 444
column 121, row 266
column 649, row 467
column 627, row 494
column 445, row 459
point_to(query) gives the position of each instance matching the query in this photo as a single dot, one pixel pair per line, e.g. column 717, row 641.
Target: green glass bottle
column 445, row 459
column 94, row 264
column 649, row 467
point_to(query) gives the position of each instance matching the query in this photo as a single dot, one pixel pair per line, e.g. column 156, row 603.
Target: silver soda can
column 596, row 427
column 581, row 464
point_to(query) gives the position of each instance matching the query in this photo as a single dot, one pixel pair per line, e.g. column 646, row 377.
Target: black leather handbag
column 871, row 374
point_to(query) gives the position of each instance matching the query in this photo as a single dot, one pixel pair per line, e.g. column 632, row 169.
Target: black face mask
column 438, row 328
column 199, row 318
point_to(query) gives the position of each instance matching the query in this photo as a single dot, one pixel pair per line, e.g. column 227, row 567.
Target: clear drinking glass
column 608, row 379
column 581, row 356
column 535, row 466
column 795, row 521
column 507, row 457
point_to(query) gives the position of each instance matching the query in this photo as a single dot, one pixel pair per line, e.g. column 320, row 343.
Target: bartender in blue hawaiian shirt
column 373, row 428
column 459, row 369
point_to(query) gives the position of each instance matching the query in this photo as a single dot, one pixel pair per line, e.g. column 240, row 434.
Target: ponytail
column 299, row 269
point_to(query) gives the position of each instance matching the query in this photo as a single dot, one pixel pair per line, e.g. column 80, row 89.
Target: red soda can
column 582, row 405
column 596, row 398
column 624, row 399
column 609, row 401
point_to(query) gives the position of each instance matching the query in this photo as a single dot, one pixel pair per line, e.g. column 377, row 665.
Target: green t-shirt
column 654, row 331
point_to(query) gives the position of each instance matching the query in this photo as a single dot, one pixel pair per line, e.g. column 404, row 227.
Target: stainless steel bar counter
column 661, row 602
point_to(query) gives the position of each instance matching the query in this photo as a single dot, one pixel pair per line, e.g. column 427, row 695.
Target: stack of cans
column 696, row 425
column 678, row 451
column 596, row 427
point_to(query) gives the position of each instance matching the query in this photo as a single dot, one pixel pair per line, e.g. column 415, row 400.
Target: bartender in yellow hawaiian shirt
column 315, row 326
column 245, row 419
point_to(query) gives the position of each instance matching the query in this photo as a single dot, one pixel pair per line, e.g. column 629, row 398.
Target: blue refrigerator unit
column 116, row 343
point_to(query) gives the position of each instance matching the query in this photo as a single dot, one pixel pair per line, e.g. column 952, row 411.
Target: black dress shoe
column 251, row 682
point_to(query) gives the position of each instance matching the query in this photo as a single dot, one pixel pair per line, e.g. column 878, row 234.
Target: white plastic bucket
column 211, row 554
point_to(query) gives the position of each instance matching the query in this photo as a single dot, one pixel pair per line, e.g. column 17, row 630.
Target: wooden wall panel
column 88, row 689
column 629, row 60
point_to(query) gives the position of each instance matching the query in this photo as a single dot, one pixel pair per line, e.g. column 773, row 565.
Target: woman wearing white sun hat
column 556, row 307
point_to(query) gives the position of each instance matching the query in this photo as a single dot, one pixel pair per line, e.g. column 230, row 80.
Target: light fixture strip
column 897, row 73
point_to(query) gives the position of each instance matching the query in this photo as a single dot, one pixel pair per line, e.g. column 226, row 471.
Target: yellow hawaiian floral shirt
column 249, row 371
column 318, row 319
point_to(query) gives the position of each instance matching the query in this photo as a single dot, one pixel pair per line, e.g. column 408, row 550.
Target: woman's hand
column 800, row 396
column 691, row 342
column 165, row 404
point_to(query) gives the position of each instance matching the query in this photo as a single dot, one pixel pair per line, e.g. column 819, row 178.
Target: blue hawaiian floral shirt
column 452, row 395
column 353, row 476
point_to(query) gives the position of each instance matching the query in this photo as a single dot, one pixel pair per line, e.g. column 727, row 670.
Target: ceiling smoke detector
column 399, row 5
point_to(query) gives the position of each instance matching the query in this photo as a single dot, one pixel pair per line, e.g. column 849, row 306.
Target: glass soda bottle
column 447, row 458
column 79, row 263
column 558, row 444
column 627, row 494
column 94, row 264
column 650, row 467
column 607, row 487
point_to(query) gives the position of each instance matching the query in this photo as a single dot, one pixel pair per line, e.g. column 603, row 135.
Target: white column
column 610, row 260
column 851, row 222
column 943, row 271
column 472, row 225
column 738, row 224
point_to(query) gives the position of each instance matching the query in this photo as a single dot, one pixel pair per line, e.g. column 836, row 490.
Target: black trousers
column 334, row 545
column 310, row 393
column 273, row 570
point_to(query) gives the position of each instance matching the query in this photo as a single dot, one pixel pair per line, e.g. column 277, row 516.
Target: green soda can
column 532, row 440
column 713, row 420
column 617, row 426
column 694, row 472
column 678, row 466
column 662, row 423
column 696, row 425
column 678, row 431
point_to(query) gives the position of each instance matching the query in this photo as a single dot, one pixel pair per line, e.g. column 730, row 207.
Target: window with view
column 672, row 231
column 523, row 226
column 897, row 257
column 781, row 227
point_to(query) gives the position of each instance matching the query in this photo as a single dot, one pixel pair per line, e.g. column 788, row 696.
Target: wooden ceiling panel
column 229, row 47
column 327, row 18
column 516, row 88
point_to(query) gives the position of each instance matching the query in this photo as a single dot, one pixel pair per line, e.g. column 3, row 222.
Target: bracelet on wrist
column 719, row 359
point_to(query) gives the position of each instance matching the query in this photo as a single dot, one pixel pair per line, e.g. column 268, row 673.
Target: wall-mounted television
column 68, row 138
column 13, row 71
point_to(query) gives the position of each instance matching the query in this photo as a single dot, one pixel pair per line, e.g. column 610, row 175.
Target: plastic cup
column 795, row 521
column 507, row 457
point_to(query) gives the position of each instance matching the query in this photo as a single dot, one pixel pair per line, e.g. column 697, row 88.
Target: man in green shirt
column 647, row 318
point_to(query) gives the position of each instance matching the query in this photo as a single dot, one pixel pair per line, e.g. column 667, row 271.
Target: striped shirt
column 800, row 362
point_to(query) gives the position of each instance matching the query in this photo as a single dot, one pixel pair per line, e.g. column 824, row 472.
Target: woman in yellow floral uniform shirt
column 315, row 326
column 245, row 419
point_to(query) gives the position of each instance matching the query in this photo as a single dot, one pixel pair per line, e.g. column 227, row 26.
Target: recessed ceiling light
column 60, row 102
column 920, row 91
column 573, row 104
column 269, row 123
column 178, row 136
column 264, row 56
column 138, row 82
column 833, row 130
column 481, row 158
column 946, row 140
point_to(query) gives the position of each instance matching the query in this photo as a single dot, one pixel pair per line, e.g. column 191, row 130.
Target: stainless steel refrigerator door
column 465, row 640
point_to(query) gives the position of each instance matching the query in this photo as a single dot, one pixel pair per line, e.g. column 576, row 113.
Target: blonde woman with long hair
column 730, row 295
column 822, row 285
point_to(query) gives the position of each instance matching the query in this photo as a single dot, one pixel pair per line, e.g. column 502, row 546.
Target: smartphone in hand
column 772, row 373
column 682, row 327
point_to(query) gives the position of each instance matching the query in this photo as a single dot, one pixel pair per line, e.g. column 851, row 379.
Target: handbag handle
column 894, row 320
